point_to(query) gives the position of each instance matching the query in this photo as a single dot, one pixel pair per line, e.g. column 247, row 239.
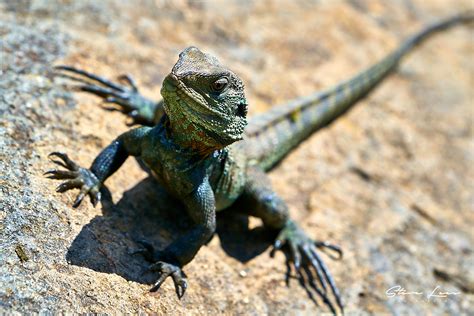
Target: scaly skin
column 191, row 142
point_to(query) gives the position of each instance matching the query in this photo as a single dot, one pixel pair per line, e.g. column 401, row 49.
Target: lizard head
column 204, row 101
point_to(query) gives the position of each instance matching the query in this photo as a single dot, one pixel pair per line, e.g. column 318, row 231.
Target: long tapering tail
column 272, row 135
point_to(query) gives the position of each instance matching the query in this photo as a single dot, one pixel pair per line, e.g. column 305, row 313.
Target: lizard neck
column 189, row 138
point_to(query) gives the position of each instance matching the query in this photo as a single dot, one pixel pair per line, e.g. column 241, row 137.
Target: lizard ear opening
column 242, row 109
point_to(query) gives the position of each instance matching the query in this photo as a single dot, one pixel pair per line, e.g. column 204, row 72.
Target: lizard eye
column 219, row 84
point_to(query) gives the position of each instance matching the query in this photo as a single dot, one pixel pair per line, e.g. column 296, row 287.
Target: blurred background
column 390, row 182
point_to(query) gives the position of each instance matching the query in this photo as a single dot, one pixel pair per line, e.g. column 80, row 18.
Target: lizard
column 199, row 144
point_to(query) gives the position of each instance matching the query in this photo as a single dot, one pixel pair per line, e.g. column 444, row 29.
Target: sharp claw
column 68, row 185
column 325, row 245
column 59, row 163
column 98, row 196
column 56, row 153
column 66, row 162
column 95, row 198
column 77, row 203
column 180, row 289
column 59, row 174
column 159, row 282
column 185, row 286
column 80, row 197
column 180, row 282
column 50, row 171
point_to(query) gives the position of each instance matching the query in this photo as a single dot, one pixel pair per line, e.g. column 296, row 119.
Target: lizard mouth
column 172, row 85
column 191, row 105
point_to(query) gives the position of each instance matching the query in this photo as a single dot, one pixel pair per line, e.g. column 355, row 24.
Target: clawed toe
column 303, row 254
column 64, row 161
column 60, row 174
column 90, row 76
column 77, row 178
column 334, row 248
column 166, row 270
column 124, row 94
column 119, row 96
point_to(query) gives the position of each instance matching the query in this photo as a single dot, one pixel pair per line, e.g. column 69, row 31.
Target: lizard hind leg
column 301, row 250
column 123, row 94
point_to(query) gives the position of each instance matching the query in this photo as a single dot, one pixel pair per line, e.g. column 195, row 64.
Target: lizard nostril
column 242, row 109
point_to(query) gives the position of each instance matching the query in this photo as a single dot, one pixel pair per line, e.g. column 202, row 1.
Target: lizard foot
column 124, row 94
column 77, row 178
column 304, row 251
column 165, row 270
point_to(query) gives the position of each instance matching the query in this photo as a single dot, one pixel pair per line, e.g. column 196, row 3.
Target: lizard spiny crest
column 204, row 101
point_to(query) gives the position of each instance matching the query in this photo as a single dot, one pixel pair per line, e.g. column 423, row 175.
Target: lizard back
column 272, row 135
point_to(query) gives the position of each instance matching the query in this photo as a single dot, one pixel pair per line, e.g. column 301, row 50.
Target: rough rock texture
column 391, row 181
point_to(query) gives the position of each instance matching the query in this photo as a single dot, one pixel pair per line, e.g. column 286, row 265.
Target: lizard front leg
column 261, row 201
column 126, row 96
column 107, row 162
column 200, row 205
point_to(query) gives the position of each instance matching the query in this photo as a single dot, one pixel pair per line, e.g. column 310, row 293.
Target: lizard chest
column 170, row 166
column 228, row 178
column 181, row 173
column 175, row 174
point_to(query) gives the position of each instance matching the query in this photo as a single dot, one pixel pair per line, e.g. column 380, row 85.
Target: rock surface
column 391, row 181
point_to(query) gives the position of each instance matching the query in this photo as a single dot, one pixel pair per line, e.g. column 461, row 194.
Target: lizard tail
column 272, row 135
